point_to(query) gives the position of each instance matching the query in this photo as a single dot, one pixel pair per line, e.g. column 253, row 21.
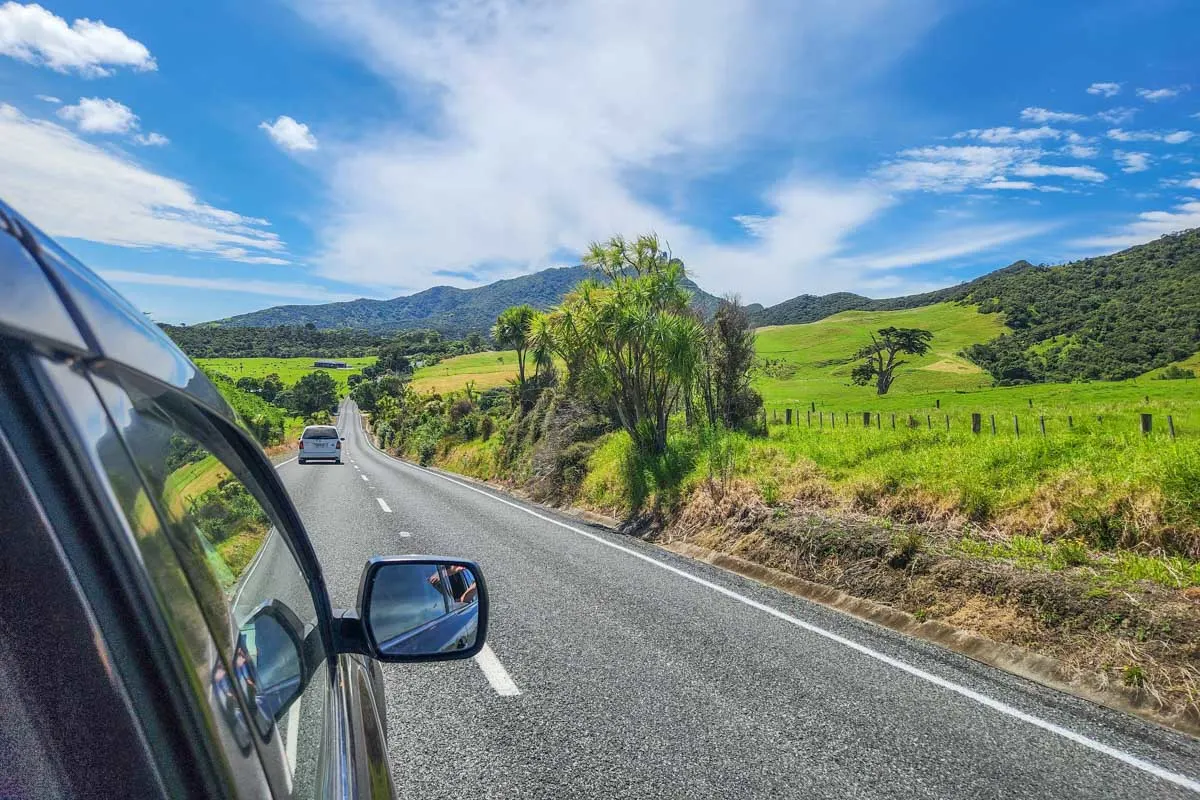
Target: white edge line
column 970, row 694
column 495, row 672
column 364, row 477
column 290, row 460
column 383, row 505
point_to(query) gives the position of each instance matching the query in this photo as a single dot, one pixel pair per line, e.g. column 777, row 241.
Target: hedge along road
column 616, row 669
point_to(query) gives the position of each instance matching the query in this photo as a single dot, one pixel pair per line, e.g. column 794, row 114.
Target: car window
column 320, row 433
column 239, row 566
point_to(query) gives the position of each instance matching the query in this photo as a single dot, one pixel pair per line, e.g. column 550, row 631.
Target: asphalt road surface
column 616, row 669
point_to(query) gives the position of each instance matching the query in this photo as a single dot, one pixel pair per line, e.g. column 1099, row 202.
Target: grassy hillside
column 816, row 358
column 289, row 370
column 487, row 369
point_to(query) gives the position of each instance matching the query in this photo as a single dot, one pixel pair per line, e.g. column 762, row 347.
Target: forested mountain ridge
column 452, row 311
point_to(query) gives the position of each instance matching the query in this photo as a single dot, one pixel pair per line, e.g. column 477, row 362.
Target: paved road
column 643, row 674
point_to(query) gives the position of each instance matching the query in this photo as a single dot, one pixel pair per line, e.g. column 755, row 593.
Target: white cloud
column 32, row 34
column 75, row 189
column 549, row 119
column 1041, row 115
column 1172, row 137
column 1148, row 225
column 151, row 139
column 950, row 244
column 1006, row 135
column 289, row 134
column 94, row 115
column 1154, row 95
column 302, row 291
column 1132, row 162
column 1117, row 116
column 48, row 98
column 1080, row 150
column 1075, row 172
column 1001, row 183
column 1192, row 183
column 1104, row 89
column 948, row 169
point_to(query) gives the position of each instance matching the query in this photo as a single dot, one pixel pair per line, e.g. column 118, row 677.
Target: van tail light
column 339, row 445
column 301, row 444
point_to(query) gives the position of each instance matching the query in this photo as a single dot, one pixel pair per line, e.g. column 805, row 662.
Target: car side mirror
column 269, row 665
column 417, row 608
column 343, row 438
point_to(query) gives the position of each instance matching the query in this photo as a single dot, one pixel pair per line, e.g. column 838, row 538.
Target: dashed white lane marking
column 364, row 477
column 495, row 672
column 383, row 505
column 405, row 534
column 996, row 705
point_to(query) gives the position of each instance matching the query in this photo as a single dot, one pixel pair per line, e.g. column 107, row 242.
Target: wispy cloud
column 32, row 34
column 1043, row 115
column 1075, row 172
column 1007, row 135
column 949, row 245
column 1132, row 162
column 73, row 188
column 1117, row 116
column 301, row 291
column 1154, row 95
column 1168, row 137
column 943, row 168
column 1104, row 89
column 48, row 98
column 289, row 134
column 1148, row 225
column 1080, row 150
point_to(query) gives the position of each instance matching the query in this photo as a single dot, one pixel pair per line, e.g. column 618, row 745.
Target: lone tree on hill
column 879, row 357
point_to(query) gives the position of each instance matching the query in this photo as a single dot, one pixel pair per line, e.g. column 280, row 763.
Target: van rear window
column 321, row 433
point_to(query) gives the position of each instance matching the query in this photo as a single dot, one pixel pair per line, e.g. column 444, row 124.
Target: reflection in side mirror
column 268, row 662
column 423, row 609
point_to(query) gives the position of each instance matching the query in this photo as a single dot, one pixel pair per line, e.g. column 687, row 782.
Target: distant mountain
column 812, row 307
column 452, row 311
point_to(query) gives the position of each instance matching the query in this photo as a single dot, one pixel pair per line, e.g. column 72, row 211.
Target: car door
column 220, row 544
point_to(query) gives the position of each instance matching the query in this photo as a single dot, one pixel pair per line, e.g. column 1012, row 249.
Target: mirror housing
column 269, row 663
column 416, row 608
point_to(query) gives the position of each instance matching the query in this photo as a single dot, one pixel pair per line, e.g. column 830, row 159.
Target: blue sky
column 211, row 160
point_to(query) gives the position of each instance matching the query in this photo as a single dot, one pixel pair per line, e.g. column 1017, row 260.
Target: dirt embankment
column 1142, row 637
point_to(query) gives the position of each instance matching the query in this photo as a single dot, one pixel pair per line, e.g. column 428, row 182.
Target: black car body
column 166, row 628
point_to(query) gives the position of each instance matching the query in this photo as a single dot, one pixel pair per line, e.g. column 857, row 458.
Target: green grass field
column 289, row 370
column 487, row 369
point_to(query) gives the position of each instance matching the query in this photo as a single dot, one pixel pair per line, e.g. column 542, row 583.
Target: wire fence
column 980, row 423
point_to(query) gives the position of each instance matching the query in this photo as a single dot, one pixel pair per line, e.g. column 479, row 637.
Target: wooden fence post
column 821, row 418
column 1147, row 423
column 1171, row 425
column 976, row 423
column 1042, row 420
column 866, row 419
column 814, row 406
column 1070, row 421
column 993, row 424
column 1031, row 402
column 1016, row 425
column 774, row 415
column 788, row 416
column 937, row 403
column 893, row 422
column 832, row 420
column 878, row 422
column 847, row 417
column 808, row 416
column 929, row 422
column 947, row 422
